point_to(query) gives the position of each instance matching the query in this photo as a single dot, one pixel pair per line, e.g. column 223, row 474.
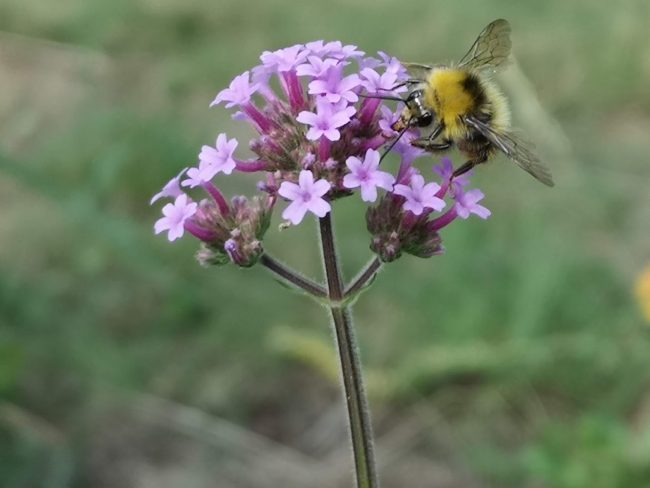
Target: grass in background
column 524, row 338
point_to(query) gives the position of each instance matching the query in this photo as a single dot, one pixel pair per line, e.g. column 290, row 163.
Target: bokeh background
column 520, row 358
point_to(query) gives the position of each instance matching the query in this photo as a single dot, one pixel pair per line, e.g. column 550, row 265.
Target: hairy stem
column 363, row 278
column 292, row 278
column 356, row 402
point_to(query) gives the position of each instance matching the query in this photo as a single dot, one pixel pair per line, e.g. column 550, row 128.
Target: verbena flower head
column 316, row 138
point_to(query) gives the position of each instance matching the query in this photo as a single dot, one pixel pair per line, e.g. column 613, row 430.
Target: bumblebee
column 466, row 109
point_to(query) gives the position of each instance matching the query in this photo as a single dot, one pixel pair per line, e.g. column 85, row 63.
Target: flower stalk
column 363, row 279
column 293, row 279
column 355, row 396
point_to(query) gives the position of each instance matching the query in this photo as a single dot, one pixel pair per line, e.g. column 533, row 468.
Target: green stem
column 356, row 402
column 363, row 278
column 292, row 278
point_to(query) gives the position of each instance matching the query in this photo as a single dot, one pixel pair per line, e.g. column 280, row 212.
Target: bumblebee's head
column 425, row 119
column 420, row 115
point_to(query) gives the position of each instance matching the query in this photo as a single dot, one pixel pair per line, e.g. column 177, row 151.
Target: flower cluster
column 408, row 218
column 320, row 129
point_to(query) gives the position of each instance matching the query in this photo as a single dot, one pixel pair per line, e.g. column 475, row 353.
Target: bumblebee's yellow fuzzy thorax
column 452, row 93
column 448, row 97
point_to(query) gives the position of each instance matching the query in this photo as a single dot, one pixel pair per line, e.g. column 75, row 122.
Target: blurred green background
column 517, row 359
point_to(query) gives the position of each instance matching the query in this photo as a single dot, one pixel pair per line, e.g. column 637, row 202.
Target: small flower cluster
column 405, row 219
column 319, row 137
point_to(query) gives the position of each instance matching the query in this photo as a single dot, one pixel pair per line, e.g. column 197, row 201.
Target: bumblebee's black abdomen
column 475, row 145
column 472, row 85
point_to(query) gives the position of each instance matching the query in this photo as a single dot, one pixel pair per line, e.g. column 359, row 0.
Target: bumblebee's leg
column 470, row 164
column 430, row 146
column 437, row 130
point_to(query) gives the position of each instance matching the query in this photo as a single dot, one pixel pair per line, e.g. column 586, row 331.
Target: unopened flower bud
column 208, row 256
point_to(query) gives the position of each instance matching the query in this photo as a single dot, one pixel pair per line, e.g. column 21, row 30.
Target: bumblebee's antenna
column 399, row 136
column 384, row 97
column 410, row 81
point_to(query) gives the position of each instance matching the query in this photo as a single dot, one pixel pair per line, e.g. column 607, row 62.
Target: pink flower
column 419, row 196
column 334, row 87
column 467, row 203
column 446, row 171
column 365, row 174
column 375, row 83
column 220, row 156
column 326, row 121
column 238, row 93
column 334, row 49
column 171, row 190
column 339, row 51
column 316, row 67
column 175, row 215
column 284, row 60
column 318, row 48
column 393, row 65
column 305, row 196
column 213, row 160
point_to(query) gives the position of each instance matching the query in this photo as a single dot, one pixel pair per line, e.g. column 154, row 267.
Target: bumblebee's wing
column 491, row 48
column 515, row 149
column 418, row 71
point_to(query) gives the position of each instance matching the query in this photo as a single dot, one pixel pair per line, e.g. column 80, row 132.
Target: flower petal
column 319, row 207
column 321, row 187
column 289, row 190
column 295, row 212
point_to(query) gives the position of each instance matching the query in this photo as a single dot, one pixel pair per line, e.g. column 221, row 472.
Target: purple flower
column 334, row 87
column 446, row 171
column 339, row 51
column 393, row 65
column 326, row 121
column 407, row 150
column 305, row 196
column 419, row 196
column 316, row 67
column 175, row 215
column 239, row 92
column 373, row 82
column 171, row 190
column 197, row 176
column 365, row 174
column 334, row 49
column 213, row 160
column 467, row 203
column 260, row 76
column 387, row 120
column 369, row 62
column 220, row 156
column 284, row 60
column 408, row 153
column 318, row 48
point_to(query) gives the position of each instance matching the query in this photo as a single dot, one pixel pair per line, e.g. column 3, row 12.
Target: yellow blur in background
column 643, row 292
